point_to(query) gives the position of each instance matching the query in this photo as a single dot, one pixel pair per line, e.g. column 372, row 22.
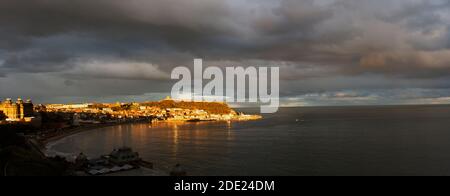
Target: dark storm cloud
column 115, row 28
column 325, row 45
column 355, row 35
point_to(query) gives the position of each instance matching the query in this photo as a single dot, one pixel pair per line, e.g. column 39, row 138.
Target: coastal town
column 24, row 112
column 35, row 125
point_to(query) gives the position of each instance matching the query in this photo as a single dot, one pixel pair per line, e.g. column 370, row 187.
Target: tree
column 2, row 116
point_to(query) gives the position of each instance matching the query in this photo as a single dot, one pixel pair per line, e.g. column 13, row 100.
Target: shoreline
column 81, row 129
column 41, row 146
column 44, row 144
column 76, row 130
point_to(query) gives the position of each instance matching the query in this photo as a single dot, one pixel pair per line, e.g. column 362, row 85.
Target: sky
column 330, row 52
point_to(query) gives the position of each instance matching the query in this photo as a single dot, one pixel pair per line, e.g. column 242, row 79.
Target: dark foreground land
column 19, row 157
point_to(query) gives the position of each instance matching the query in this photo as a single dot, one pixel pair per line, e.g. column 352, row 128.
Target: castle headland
column 165, row 110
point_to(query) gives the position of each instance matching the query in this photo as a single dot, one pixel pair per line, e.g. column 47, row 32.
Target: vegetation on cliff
column 210, row 107
column 2, row 116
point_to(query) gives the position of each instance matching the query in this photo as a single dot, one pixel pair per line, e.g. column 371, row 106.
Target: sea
column 303, row 141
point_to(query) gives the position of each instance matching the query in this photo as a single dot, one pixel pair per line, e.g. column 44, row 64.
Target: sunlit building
column 15, row 111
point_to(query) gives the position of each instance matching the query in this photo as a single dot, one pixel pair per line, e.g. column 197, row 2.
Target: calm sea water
column 388, row 140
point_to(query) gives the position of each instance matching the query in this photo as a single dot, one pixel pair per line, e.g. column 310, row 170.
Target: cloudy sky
column 330, row 52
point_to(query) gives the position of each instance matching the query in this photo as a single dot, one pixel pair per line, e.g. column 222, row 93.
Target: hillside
column 210, row 107
column 19, row 158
